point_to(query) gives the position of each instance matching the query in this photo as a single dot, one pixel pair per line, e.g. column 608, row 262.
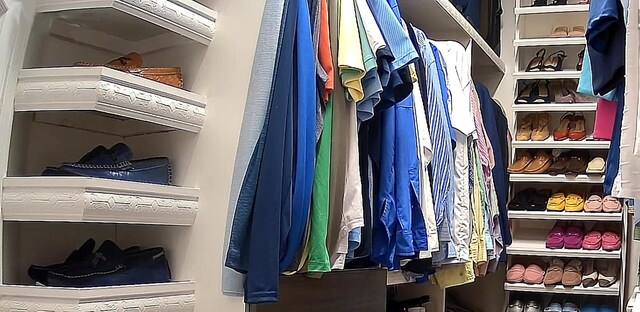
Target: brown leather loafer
column 540, row 164
column 522, row 161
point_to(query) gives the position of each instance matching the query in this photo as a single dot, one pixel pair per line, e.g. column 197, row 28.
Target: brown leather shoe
column 572, row 275
column 540, row 164
column 554, row 272
column 522, row 161
column 578, row 162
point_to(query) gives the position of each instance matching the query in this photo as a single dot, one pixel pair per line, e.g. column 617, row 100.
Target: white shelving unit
column 555, row 107
column 530, row 228
column 176, row 296
column 130, row 25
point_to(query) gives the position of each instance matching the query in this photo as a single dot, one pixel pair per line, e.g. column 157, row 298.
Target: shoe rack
column 56, row 112
column 533, row 29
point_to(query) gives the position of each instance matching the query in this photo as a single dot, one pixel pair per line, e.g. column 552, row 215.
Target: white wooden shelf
column 169, row 297
column 555, row 107
column 563, row 74
column 536, row 42
column 613, row 290
column 560, row 178
column 80, row 199
column 105, row 90
column 4, row 7
column 527, row 246
column 441, row 20
column 632, row 300
column 551, row 9
column 562, row 215
column 398, row 278
column 130, row 25
column 550, row 143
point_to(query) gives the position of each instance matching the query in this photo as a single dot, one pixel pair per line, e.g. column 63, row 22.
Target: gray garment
column 372, row 88
column 254, row 115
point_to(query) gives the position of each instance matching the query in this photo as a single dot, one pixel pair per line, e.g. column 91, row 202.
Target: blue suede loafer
column 151, row 170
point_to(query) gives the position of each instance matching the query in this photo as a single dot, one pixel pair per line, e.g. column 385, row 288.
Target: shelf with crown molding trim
column 173, row 296
column 551, row 143
column 562, row 215
column 532, row 242
column 138, row 105
column 130, row 25
column 613, row 290
column 552, row 9
column 560, row 178
column 541, row 75
column 80, row 199
column 537, row 42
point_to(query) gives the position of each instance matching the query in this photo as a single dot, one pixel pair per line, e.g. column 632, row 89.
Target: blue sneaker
column 111, row 266
column 151, row 170
column 100, row 155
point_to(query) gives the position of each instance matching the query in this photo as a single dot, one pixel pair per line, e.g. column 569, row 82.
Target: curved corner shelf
column 563, row 74
column 555, row 107
column 536, row 247
column 537, row 42
column 562, row 215
column 130, row 25
column 169, row 297
column 613, row 290
column 550, row 143
column 440, row 19
column 80, row 199
column 552, row 9
column 106, row 90
column 561, row 178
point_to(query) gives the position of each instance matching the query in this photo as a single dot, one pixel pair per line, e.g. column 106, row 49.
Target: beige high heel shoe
column 541, row 132
column 526, row 127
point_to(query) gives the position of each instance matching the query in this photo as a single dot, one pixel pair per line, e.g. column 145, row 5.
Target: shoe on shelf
column 542, row 93
column 553, row 307
column 536, row 63
column 592, row 240
column 593, row 203
column 521, row 163
column 577, row 31
column 151, row 170
column 580, row 60
column 515, row 274
column 525, row 128
column 525, row 95
column 532, row 306
column 111, row 266
column 574, row 236
column 574, row 203
column 590, row 276
column 570, row 307
column 555, row 238
column 556, row 202
column 540, row 163
column 559, row 165
column 607, row 272
column 521, row 199
column 553, row 275
column 596, row 165
column 560, row 32
column 572, row 87
column 560, row 93
column 611, row 241
column 607, row 308
column 541, row 127
column 577, row 129
column 516, row 306
column 98, row 156
column 554, row 61
column 577, row 163
column 533, row 274
column 559, row 2
column 561, row 132
column 611, row 204
column 572, row 275
column 539, row 3
column 39, row 273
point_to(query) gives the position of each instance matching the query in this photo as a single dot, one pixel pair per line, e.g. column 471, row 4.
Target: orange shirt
column 324, row 50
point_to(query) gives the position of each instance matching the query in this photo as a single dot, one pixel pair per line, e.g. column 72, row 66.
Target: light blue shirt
column 393, row 33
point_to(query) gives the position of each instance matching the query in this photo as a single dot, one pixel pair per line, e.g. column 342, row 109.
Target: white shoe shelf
column 79, row 199
column 530, row 228
column 105, row 90
column 130, row 25
column 165, row 297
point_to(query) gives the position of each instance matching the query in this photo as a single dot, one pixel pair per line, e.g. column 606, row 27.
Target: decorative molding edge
column 106, row 90
column 24, row 200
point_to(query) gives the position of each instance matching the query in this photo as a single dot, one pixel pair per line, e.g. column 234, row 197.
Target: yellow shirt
column 350, row 63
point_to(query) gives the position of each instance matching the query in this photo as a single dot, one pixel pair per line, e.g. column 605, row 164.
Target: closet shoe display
column 525, row 95
column 574, row 203
column 553, row 307
column 580, row 60
column 611, row 241
column 592, row 240
column 560, row 164
column 532, row 306
column 611, row 204
column 515, row 274
column 555, row 238
column 520, row 200
column 577, row 31
column 132, row 64
column 151, row 170
column 39, row 273
column 553, row 275
column 557, row 202
column 577, row 130
column 554, row 61
column 111, row 266
column 98, row 156
column 607, row 272
column 572, row 275
column 516, row 306
column 570, row 307
column 525, row 128
column 536, row 63
column 577, row 163
column 574, row 235
column 541, row 127
column 590, row 274
column 533, row 274
column 593, row 203
column 540, row 163
column 596, row 166
column 560, row 93
column 523, row 160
